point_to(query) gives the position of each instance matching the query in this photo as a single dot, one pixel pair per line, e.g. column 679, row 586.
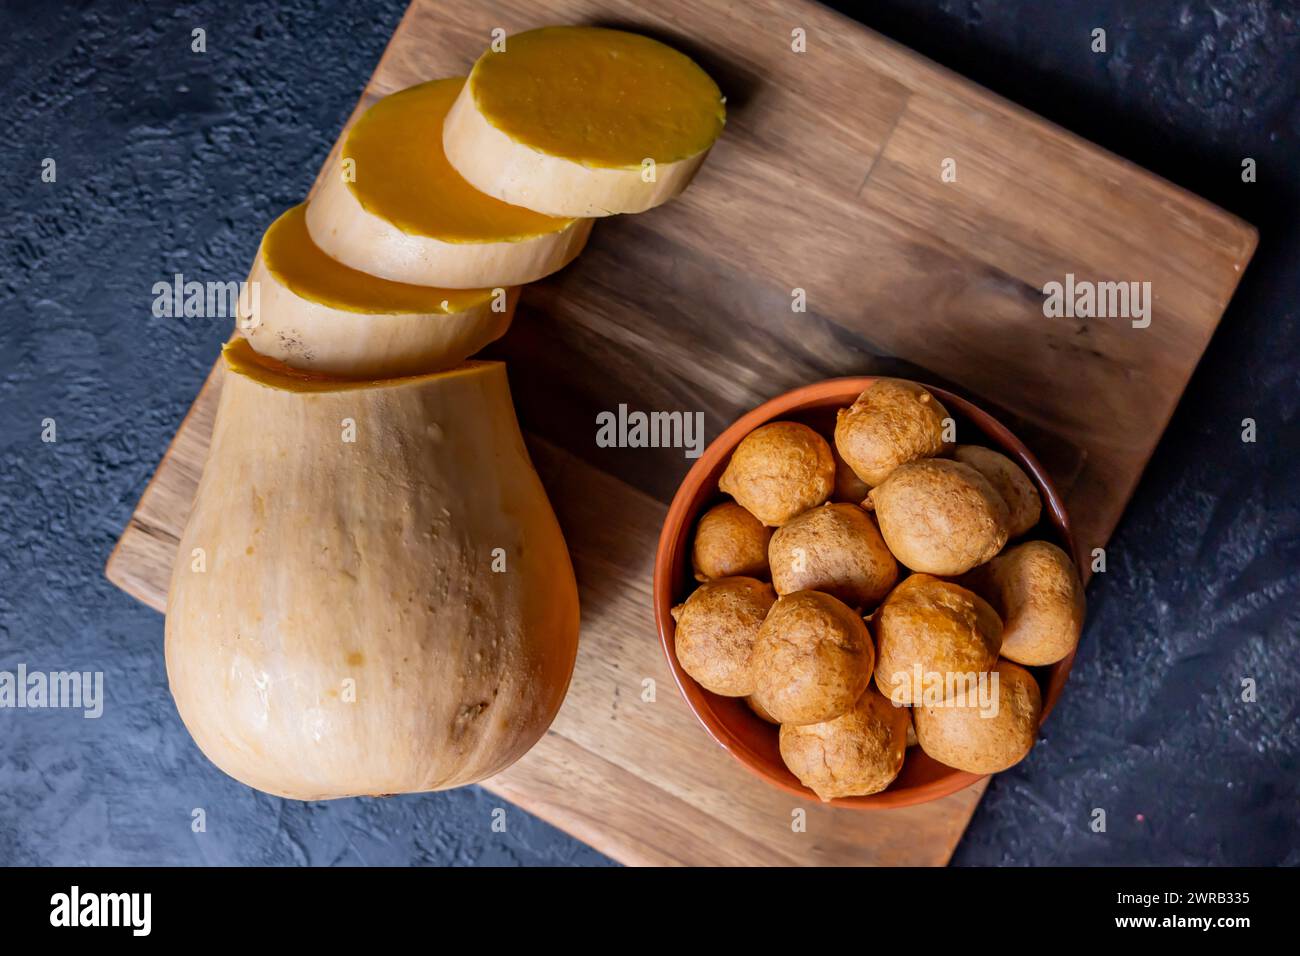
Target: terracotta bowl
column 729, row 720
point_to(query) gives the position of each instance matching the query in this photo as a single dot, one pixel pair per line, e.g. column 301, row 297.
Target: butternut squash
column 317, row 314
column 583, row 121
column 396, row 208
column 372, row 595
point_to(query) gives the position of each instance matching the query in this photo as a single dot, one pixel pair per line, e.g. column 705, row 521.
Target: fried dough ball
column 940, row 516
column 892, row 422
column 778, row 471
column 813, row 659
column 717, row 629
column 835, row 548
column 970, row 737
column 859, row 752
column 927, row 630
column 1036, row 588
column 1024, row 506
column 729, row 541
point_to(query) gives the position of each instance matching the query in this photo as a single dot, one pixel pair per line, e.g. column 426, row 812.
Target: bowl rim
column 679, row 515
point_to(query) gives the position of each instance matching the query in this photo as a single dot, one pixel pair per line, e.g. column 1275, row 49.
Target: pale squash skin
column 370, row 562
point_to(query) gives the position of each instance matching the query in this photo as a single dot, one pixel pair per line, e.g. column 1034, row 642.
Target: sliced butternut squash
column 396, row 208
column 315, row 313
column 372, row 595
column 583, row 121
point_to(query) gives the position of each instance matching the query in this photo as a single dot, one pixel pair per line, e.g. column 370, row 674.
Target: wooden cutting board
column 828, row 179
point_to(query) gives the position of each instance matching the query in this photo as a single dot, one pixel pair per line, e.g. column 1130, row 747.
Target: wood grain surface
column 827, row 179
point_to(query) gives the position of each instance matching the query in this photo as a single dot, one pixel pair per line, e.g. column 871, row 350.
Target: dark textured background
column 170, row 162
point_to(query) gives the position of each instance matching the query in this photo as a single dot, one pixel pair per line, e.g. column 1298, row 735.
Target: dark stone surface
column 170, row 161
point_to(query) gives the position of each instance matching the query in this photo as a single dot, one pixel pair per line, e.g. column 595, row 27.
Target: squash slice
column 394, row 206
column 583, row 121
column 315, row 313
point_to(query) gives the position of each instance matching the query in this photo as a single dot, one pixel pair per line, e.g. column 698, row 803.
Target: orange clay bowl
column 729, row 720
